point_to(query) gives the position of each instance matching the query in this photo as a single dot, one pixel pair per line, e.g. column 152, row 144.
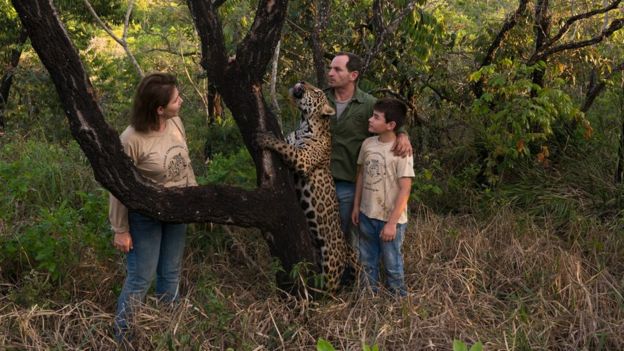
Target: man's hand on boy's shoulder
column 402, row 146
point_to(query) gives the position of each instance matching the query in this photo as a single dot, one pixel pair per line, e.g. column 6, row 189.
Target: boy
column 381, row 192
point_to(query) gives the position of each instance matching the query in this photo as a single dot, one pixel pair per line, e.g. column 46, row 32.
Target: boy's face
column 377, row 123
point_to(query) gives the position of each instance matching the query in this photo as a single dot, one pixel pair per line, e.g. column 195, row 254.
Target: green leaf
column 474, row 76
column 478, row 346
column 459, row 345
column 324, row 345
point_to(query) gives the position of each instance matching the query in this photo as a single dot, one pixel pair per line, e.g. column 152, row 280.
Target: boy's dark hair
column 394, row 110
column 154, row 91
column 355, row 62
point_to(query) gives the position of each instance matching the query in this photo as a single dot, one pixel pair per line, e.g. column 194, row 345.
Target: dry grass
column 506, row 282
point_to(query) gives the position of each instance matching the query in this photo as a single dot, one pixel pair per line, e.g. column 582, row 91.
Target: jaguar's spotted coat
column 308, row 150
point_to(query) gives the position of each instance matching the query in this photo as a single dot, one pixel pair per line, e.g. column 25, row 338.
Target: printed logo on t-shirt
column 375, row 168
column 174, row 162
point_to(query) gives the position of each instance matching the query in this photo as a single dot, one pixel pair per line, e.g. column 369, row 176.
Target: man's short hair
column 394, row 110
column 355, row 62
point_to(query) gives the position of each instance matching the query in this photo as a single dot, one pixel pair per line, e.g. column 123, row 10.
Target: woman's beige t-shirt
column 161, row 156
column 382, row 170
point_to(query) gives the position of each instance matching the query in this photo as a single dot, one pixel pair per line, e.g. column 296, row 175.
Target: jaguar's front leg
column 269, row 141
column 292, row 155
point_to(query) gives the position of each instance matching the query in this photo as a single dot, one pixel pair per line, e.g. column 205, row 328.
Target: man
column 349, row 128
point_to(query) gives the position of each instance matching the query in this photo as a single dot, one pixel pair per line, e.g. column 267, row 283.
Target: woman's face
column 173, row 107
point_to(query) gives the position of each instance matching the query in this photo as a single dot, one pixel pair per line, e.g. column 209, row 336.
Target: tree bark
column 319, row 26
column 619, row 172
column 215, row 108
column 597, row 86
column 542, row 29
column 272, row 207
column 7, row 77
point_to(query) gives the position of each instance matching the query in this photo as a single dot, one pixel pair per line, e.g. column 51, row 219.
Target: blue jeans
column 158, row 248
column 372, row 248
column 346, row 195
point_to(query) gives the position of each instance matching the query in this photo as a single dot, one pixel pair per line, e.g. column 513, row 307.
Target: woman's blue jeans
column 158, row 248
column 372, row 249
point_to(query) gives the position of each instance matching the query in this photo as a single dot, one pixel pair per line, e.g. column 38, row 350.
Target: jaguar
column 307, row 151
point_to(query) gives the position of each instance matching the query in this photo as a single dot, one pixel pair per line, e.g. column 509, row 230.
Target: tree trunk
column 319, row 25
column 619, row 172
column 7, row 77
column 215, row 108
column 542, row 30
column 272, row 207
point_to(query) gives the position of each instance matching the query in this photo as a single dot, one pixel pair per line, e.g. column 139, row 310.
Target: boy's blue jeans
column 158, row 249
column 372, row 249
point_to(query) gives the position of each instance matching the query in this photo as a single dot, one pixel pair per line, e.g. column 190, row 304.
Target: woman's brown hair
column 155, row 90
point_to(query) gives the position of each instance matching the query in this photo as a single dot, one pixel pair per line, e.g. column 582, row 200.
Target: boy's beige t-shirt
column 381, row 171
column 161, row 156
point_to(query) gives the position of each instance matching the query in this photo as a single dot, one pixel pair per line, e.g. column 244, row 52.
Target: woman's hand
column 123, row 242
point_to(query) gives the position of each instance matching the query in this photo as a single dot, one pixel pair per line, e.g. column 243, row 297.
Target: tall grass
column 508, row 282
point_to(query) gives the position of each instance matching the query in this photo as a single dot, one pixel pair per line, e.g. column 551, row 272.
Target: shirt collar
column 358, row 96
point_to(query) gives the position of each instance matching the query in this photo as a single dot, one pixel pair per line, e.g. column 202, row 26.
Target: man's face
column 339, row 76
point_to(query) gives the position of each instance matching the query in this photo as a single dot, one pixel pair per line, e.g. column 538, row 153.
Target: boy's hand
column 355, row 216
column 402, row 146
column 388, row 233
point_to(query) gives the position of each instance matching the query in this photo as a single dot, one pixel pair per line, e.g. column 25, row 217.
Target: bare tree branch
column 273, row 82
column 382, row 32
column 570, row 21
column 321, row 19
column 595, row 88
column 170, row 51
column 123, row 40
column 616, row 25
column 508, row 25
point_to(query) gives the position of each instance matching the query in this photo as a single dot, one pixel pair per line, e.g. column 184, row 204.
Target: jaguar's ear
column 328, row 110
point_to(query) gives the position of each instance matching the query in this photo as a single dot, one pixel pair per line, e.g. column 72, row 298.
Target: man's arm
column 402, row 146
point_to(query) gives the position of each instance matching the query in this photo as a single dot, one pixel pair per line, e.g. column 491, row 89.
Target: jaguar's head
column 311, row 101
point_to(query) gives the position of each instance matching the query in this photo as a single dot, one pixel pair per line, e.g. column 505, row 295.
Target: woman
column 156, row 142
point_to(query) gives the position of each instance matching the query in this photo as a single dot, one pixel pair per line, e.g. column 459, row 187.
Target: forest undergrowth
column 536, row 265
column 508, row 279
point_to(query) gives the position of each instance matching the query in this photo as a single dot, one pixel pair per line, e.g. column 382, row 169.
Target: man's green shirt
column 348, row 133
